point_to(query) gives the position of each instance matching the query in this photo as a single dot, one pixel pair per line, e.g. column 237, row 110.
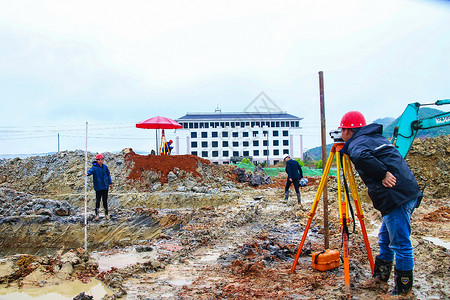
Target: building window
column 297, row 124
column 225, row 144
column 215, row 154
column 292, row 123
column 204, row 144
column 272, row 124
column 246, row 153
column 253, row 124
column 255, row 152
column 222, row 124
column 242, row 124
column 194, row 153
column 277, row 124
column 245, row 134
column 235, row 153
column 204, row 153
column 282, row 124
column 204, row 134
column 232, row 124
column 276, row 152
column 185, row 125
column 201, row 125
column 276, row 142
column 216, row 124
column 255, row 133
column 235, row 134
column 265, row 152
column 191, row 125
column 193, row 144
column 285, row 142
column 285, row 133
column 195, row 125
column 193, row 134
column 275, row 133
column 214, row 134
column 235, row 144
column 245, row 144
column 215, row 144
column 206, row 125
column 224, row 133
column 255, row 143
column 265, row 143
column 285, row 151
column 225, row 153
column 227, row 124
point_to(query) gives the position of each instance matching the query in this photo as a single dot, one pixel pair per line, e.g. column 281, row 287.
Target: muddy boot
column 299, row 199
column 96, row 217
column 403, row 282
column 106, row 217
column 380, row 277
column 286, row 197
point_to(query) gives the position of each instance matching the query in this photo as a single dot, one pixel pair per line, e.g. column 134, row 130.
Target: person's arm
column 300, row 171
column 364, row 159
column 90, row 171
column 109, row 177
column 389, row 180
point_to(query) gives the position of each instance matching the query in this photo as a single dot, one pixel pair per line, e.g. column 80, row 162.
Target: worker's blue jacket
column 293, row 169
column 102, row 178
column 373, row 155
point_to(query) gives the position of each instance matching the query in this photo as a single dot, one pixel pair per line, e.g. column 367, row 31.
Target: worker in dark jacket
column 394, row 192
column 295, row 173
column 102, row 182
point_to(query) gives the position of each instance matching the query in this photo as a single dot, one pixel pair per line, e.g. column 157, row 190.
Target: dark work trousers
column 296, row 184
column 101, row 195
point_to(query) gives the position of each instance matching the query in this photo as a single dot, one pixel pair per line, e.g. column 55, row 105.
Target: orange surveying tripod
column 343, row 209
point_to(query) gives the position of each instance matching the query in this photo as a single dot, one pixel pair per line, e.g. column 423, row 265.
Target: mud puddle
column 69, row 290
column 121, row 259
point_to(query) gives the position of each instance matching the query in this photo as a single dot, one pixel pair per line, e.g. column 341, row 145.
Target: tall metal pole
column 85, row 190
column 324, row 159
column 58, row 142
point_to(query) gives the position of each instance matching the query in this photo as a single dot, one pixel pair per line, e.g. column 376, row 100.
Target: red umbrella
column 159, row 123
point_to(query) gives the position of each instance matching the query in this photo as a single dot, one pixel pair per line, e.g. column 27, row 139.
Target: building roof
column 238, row 116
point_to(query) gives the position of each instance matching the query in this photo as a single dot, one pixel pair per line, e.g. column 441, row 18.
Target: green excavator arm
column 409, row 124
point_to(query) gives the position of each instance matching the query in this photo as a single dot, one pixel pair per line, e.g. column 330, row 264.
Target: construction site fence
column 272, row 172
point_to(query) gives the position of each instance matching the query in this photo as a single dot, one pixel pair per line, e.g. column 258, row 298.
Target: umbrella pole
column 85, row 190
column 156, row 146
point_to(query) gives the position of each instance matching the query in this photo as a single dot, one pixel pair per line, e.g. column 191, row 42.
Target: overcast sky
column 115, row 63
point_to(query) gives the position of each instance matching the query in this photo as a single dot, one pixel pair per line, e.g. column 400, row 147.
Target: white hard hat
column 286, row 155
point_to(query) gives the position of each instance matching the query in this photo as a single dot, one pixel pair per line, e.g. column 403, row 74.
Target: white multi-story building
column 228, row 137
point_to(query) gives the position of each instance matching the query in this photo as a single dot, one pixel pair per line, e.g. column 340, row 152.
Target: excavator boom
column 409, row 124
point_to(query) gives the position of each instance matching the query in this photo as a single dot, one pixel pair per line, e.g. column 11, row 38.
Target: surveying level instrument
column 342, row 164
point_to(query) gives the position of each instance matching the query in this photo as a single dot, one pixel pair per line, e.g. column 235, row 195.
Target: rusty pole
column 324, row 159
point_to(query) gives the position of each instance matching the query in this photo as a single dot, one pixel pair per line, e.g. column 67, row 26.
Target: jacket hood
column 95, row 163
column 373, row 128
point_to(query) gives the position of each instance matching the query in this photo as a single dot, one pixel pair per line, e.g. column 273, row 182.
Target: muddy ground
column 182, row 228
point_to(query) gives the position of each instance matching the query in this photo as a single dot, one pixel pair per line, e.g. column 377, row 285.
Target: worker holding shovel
column 102, row 182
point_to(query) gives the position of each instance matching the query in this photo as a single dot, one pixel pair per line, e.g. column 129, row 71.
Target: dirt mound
column 162, row 164
column 429, row 159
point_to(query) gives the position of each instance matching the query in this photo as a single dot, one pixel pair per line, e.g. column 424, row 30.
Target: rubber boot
column 286, row 197
column 299, row 198
column 403, row 282
column 380, row 277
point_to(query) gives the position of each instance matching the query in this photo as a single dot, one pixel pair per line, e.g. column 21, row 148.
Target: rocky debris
column 14, row 203
column 256, row 178
column 83, row 296
column 29, row 270
column 429, row 159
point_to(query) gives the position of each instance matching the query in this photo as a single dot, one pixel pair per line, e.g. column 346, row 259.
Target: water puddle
column 62, row 291
column 126, row 257
column 438, row 241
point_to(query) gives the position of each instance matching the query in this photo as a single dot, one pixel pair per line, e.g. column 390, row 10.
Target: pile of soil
column 163, row 164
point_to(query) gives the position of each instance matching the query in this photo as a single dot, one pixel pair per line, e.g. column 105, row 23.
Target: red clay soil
column 163, row 164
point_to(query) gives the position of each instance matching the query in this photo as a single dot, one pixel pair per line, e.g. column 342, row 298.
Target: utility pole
column 324, row 159
column 58, row 142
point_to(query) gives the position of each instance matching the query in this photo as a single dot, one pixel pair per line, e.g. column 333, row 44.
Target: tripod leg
column 343, row 213
column 359, row 211
column 314, row 207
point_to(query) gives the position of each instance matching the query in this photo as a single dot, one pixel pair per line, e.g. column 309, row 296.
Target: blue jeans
column 394, row 237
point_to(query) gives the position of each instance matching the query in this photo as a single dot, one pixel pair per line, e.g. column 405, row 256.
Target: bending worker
column 102, row 181
column 295, row 173
column 393, row 190
column 167, row 148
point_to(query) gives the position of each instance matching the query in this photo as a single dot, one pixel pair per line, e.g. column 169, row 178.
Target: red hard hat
column 99, row 156
column 171, row 141
column 353, row 119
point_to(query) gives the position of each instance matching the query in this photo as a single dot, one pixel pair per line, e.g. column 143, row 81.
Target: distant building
column 228, row 137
